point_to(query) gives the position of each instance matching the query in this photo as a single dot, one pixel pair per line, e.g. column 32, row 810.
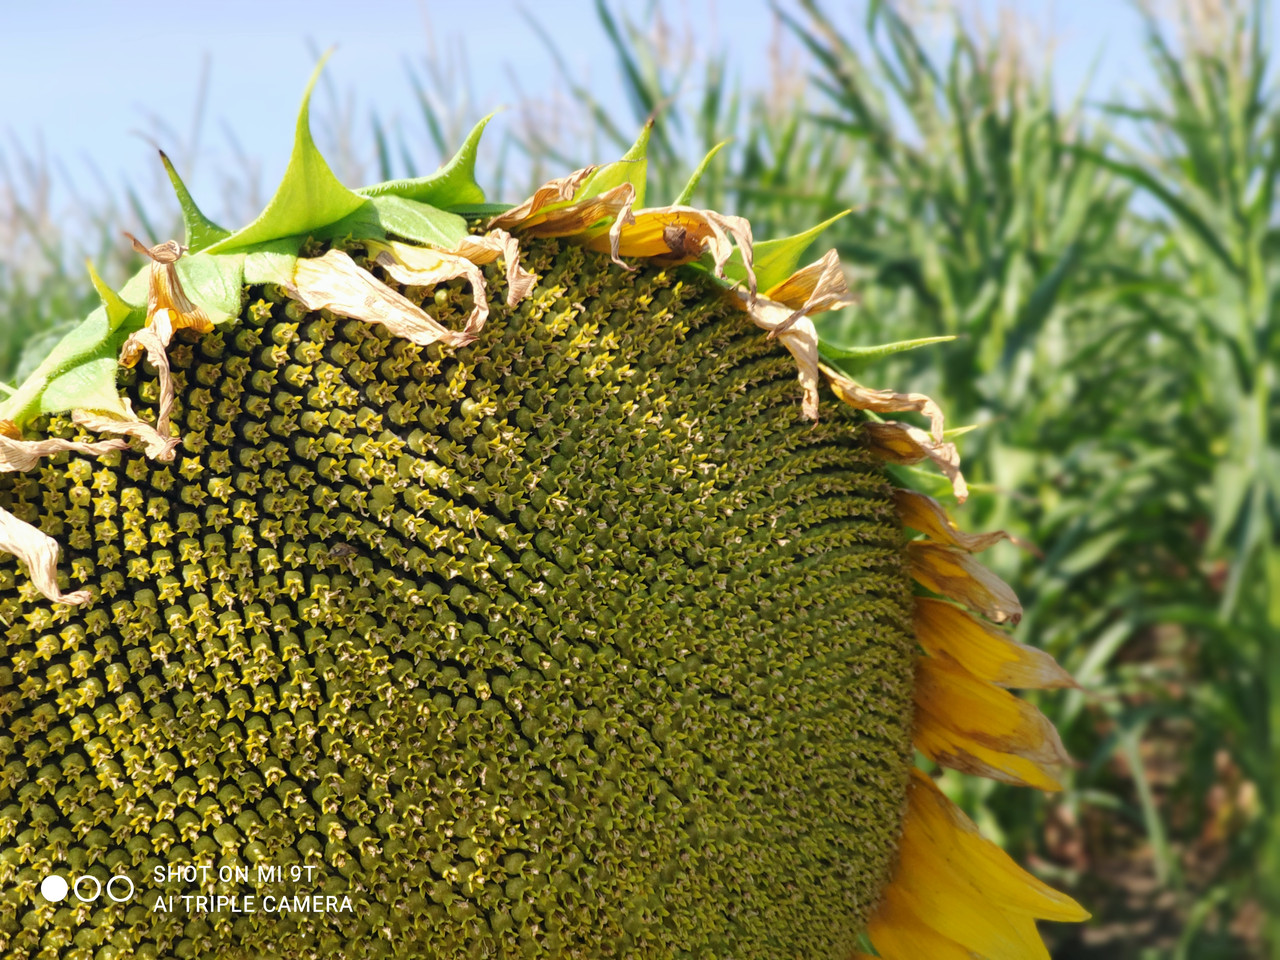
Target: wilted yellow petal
column 164, row 290
column 957, row 575
column 976, row 727
column 489, row 247
column 946, row 630
column 885, row 401
column 10, row 429
column 158, row 446
column 956, row 842
column 673, row 235
column 333, row 282
column 560, row 190
column 923, row 513
column 424, row 267
column 578, row 218
column 902, row 443
column 18, row 456
column 813, row 289
column 801, row 340
column 40, row 553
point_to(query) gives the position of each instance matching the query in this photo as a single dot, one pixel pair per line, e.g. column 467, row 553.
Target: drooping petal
column 819, row 287
column 921, row 512
column 560, row 190
column 164, row 289
column 18, row 456
column 580, row 217
column 885, row 401
column 976, row 727
column 423, row 267
column 668, row 236
column 40, row 553
column 954, row 573
column 489, row 247
column 1005, row 885
column 800, row 339
column 948, row 631
column 158, row 446
column 902, row 443
column 334, row 282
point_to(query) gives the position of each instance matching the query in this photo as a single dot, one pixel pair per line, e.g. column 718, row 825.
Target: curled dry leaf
column 164, row 289
column 955, row 574
column 489, row 247
column 902, row 443
column 40, row 553
column 424, row 267
column 813, row 289
column 531, row 212
column 334, row 282
column 885, row 401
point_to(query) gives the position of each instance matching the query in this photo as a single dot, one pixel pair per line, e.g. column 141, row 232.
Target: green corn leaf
column 201, row 231
column 308, row 198
column 452, row 186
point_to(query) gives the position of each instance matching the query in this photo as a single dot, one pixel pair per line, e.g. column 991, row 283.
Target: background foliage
column 1112, row 274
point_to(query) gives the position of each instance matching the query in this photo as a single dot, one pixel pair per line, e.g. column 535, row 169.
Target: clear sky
column 86, row 84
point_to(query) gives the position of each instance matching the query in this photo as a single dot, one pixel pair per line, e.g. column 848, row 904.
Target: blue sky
column 88, row 83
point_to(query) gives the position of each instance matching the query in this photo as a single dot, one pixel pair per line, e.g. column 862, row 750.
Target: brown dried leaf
column 885, row 401
column 560, row 190
column 902, row 443
column 40, row 553
column 333, row 282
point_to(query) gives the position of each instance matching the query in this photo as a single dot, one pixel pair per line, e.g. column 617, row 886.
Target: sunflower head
column 410, row 575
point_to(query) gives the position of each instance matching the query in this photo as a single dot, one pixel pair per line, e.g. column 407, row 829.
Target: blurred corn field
column 1111, row 275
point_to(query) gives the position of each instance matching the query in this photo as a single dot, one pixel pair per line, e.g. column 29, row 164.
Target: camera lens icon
column 87, row 889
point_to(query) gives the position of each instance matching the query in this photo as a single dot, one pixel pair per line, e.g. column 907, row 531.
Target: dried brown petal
column 40, row 553
column 923, row 513
column 955, row 574
column 885, row 401
column 333, row 282
column 18, row 456
column 158, row 446
column 560, row 190
column 164, row 289
column 801, row 339
column 424, row 267
column 902, row 443
column 813, row 289
column 489, row 247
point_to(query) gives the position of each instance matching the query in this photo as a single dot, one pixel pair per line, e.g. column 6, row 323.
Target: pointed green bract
column 776, row 260
column 687, row 193
column 854, row 360
column 201, row 231
column 452, row 186
column 633, row 168
column 117, row 309
column 309, row 197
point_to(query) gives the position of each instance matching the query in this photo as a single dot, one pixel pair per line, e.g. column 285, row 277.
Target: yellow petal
column 946, row 630
column 923, row 513
column 900, row 934
column 955, row 908
column 957, row 842
column 580, row 217
column 885, row 401
column 957, row 575
column 896, row 442
column 673, row 235
column 40, row 553
column 164, row 290
column 489, row 247
column 813, row 289
column 553, row 192
column 334, row 282
column 976, row 727
column 425, row 267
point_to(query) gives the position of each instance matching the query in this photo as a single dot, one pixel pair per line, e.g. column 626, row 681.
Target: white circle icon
column 53, row 888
